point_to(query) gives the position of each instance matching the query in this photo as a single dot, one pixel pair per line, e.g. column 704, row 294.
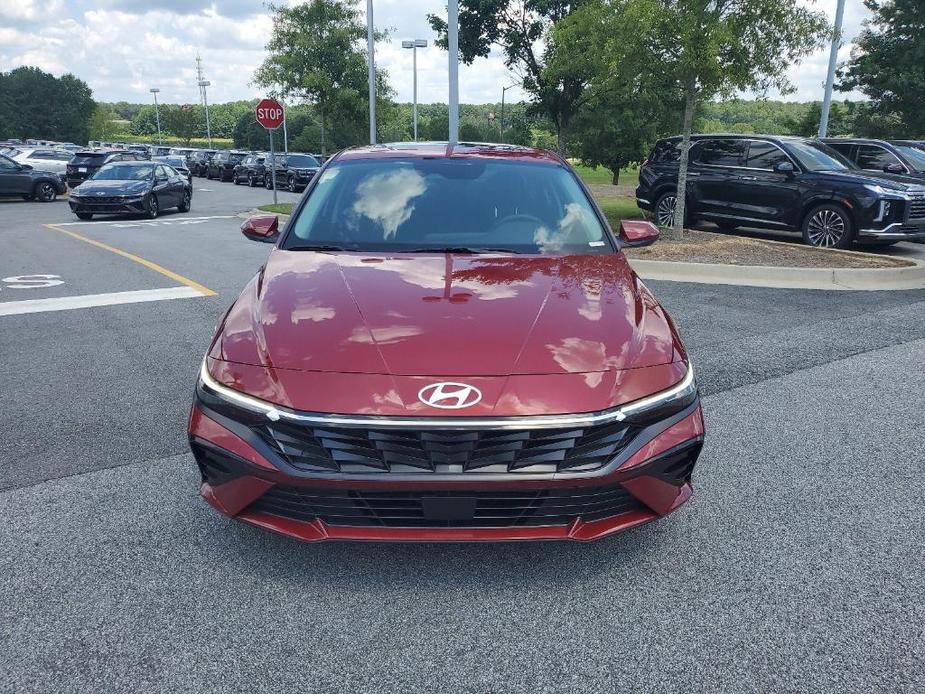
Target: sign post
column 270, row 115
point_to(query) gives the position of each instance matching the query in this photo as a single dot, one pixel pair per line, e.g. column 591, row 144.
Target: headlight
column 664, row 403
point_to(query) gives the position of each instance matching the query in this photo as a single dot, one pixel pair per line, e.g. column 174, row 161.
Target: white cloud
column 123, row 47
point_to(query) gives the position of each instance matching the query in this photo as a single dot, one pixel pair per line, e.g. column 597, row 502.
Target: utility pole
column 157, row 114
column 203, row 83
column 833, row 60
column 371, row 50
column 414, row 45
column 452, row 35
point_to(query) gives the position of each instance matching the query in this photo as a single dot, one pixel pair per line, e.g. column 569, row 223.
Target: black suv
column 787, row 183
column 221, row 165
column 251, row 170
column 293, row 171
column 892, row 156
column 198, row 161
column 30, row 184
column 85, row 164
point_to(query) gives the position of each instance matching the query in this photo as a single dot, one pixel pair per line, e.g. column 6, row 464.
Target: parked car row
column 294, row 170
column 835, row 192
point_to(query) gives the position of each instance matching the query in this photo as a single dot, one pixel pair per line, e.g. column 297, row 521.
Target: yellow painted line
column 205, row 291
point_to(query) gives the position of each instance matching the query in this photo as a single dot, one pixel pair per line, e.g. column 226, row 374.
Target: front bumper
column 245, row 478
column 897, row 231
column 107, row 205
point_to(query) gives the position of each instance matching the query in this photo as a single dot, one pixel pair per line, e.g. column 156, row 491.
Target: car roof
column 855, row 140
column 429, row 150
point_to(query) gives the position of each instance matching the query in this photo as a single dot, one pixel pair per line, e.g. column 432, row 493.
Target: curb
column 841, row 279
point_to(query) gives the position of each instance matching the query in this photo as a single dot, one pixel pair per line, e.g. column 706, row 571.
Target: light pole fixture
column 501, row 121
column 414, row 45
column 452, row 41
column 830, row 78
column 157, row 114
column 371, row 50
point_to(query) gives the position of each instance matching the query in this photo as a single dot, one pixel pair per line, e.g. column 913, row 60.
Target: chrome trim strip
column 643, row 201
column 276, row 413
column 745, row 219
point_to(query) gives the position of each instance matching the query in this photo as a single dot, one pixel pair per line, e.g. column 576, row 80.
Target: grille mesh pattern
column 542, row 507
column 446, row 451
column 917, row 208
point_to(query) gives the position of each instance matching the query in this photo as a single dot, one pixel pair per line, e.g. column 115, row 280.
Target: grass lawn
column 602, row 176
column 279, row 208
column 614, row 209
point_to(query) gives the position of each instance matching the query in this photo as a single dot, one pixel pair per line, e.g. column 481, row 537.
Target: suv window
column 764, row 155
column 722, row 152
column 843, row 148
column 875, row 157
column 7, row 164
column 665, row 151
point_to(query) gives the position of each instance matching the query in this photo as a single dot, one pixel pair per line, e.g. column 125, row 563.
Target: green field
column 601, row 176
column 614, row 209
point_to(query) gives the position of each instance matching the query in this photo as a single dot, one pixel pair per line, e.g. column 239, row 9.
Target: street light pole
column 501, row 124
column 371, row 50
column 414, row 45
column 205, row 100
column 157, row 114
column 830, row 79
column 452, row 36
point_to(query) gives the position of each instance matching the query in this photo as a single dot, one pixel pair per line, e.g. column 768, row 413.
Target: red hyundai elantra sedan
column 446, row 343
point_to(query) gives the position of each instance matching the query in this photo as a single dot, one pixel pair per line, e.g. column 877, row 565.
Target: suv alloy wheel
column 664, row 209
column 828, row 226
column 45, row 192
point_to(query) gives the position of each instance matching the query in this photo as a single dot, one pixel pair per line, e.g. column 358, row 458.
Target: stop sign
column 270, row 114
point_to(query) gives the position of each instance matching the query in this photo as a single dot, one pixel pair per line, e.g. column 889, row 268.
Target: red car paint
column 357, row 333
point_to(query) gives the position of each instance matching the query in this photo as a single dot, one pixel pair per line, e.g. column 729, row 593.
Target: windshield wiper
column 459, row 249
column 317, row 247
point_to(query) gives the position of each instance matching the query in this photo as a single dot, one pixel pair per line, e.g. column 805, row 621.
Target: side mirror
column 784, row 167
column 895, row 168
column 635, row 233
column 25, row 167
column 264, row 228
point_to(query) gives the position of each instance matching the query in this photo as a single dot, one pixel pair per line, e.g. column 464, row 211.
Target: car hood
column 92, row 187
column 899, row 182
column 446, row 315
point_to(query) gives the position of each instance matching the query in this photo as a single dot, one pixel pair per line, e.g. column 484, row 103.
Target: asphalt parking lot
column 797, row 566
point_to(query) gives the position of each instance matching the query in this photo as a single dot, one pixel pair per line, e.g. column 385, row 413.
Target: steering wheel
column 523, row 219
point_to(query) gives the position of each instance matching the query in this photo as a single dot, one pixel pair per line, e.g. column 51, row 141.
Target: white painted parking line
column 67, row 303
column 148, row 222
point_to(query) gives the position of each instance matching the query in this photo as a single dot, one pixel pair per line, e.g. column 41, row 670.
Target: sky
column 122, row 48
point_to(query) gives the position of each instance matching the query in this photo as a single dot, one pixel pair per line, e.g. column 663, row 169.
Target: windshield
column 173, row 161
column 124, row 172
column 818, row 156
column 89, row 158
column 915, row 155
column 437, row 204
column 298, row 160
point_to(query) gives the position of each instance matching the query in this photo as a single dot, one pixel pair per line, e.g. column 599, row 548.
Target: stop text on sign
column 270, row 113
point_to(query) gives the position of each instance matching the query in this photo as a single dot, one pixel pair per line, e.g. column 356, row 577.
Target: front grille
column 483, row 509
column 912, row 229
column 361, row 450
column 917, row 208
column 99, row 200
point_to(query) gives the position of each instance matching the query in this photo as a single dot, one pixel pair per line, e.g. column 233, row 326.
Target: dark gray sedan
column 132, row 188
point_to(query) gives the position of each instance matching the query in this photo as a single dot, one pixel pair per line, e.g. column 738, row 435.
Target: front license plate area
column 448, row 508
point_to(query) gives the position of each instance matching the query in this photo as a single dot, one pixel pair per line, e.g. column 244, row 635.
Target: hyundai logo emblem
column 450, row 396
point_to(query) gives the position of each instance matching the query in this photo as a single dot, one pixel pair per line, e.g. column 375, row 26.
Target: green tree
column 101, row 125
column 522, row 29
column 708, row 48
column 183, row 121
column 888, row 64
column 36, row 104
column 316, row 53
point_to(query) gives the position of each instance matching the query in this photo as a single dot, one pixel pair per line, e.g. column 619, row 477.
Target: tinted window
column 302, row 160
column 843, row 148
column 89, row 159
column 873, row 157
column 915, row 155
column 817, row 156
column 723, row 152
column 161, row 172
column 235, row 158
column 7, row 163
column 665, row 151
column 764, row 155
column 123, row 172
column 407, row 204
